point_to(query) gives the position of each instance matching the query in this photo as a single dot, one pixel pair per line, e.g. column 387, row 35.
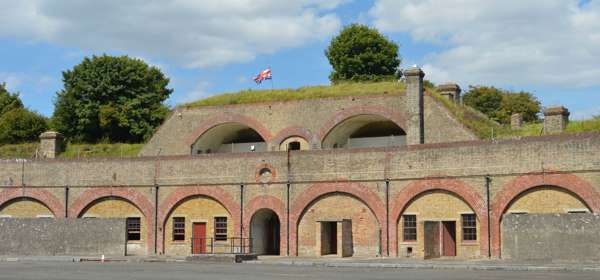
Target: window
column 410, row 227
column 294, row 146
column 220, row 228
column 469, row 227
column 133, row 229
column 178, row 229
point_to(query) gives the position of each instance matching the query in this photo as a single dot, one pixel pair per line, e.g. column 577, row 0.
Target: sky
column 548, row 47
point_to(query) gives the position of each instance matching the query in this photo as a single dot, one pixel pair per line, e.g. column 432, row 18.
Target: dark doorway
column 265, row 232
column 329, row 238
column 294, row 146
column 449, row 239
column 199, row 238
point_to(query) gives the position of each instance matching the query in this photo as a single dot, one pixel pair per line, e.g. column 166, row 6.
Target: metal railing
column 230, row 245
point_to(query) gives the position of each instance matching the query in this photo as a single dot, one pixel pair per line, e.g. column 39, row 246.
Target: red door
column 199, row 238
column 449, row 239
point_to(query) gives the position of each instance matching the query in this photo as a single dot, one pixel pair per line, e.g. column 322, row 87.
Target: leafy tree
column 499, row 104
column 8, row 101
column 360, row 53
column 21, row 125
column 119, row 99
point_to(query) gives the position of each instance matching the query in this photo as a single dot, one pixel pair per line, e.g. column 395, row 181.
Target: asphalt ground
column 149, row 271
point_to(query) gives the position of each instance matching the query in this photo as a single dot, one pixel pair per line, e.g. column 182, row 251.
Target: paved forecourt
column 149, row 271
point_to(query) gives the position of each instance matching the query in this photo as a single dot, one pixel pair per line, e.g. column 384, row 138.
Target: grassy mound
column 28, row 150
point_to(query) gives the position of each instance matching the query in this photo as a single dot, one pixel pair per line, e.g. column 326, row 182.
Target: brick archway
column 314, row 192
column 229, row 118
column 42, row 196
column 397, row 117
column 569, row 182
column 456, row 187
column 290, row 132
column 274, row 204
column 130, row 195
column 182, row 193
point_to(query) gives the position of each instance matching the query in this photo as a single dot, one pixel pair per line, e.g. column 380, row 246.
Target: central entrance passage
column 329, row 238
column 199, row 238
column 265, row 232
column 440, row 239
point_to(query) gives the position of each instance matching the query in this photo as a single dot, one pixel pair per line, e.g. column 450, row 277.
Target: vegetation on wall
column 118, row 99
column 360, row 53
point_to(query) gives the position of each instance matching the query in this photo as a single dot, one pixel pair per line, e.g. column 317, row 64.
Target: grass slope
column 309, row 92
column 28, row 150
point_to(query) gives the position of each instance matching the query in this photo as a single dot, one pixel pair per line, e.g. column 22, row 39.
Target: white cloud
column 199, row 92
column 192, row 33
column 12, row 80
column 510, row 42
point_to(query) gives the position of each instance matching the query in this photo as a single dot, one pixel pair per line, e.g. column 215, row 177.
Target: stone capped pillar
column 450, row 91
column 555, row 119
column 50, row 144
column 516, row 121
column 415, row 133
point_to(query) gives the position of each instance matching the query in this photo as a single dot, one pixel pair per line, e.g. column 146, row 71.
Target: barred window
column 410, row 227
column 178, row 229
column 133, row 229
column 220, row 228
column 469, row 227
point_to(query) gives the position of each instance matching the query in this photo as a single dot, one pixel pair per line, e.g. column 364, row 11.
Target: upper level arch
column 228, row 133
column 364, row 126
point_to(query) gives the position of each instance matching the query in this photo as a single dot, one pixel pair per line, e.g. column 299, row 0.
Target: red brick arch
column 569, row 182
column 182, row 193
column 272, row 203
column 290, row 132
column 131, row 195
column 312, row 193
column 42, row 196
column 229, row 118
column 397, row 117
column 456, row 187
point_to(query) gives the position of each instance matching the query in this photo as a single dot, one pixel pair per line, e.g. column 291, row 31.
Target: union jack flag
column 264, row 75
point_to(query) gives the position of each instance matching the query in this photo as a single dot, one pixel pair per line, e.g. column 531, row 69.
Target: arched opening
column 25, row 207
column 229, row 138
column 338, row 224
column 265, row 232
column 365, row 131
column 117, row 207
column 438, row 223
column 546, row 200
column 294, row 143
column 198, row 225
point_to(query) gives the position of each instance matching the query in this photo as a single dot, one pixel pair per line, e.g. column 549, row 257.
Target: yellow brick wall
column 365, row 229
column 198, row 209
column 24, row 208
column 119, row 208
column 438, row 206
column 546, row 200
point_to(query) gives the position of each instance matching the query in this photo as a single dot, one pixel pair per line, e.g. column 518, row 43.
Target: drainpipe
column 488, row 182
column 387, row 216
column 288, row 219
column 66, row 201
column 242, row 211
column 156, row 187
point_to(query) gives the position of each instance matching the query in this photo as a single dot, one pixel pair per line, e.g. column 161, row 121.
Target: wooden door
column 199, row 238
column 431, row 231
column 449, row 239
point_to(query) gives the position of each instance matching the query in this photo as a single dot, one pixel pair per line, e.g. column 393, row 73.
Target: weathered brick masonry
column 361, row 200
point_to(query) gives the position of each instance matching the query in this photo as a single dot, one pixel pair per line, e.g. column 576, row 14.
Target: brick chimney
column 414, row 106
column 50, row 144
column 450, row 91
column 555, row 119
column 516, row 121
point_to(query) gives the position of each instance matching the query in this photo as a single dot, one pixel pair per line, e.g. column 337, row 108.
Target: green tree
column 21, row 125
column 499, row 104
column 119, row 99
column 8, row 101
column 488, row 100
column 360, row 53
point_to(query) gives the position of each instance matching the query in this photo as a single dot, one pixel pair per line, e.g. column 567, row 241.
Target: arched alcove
column 365, row 131
column 229, row 138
